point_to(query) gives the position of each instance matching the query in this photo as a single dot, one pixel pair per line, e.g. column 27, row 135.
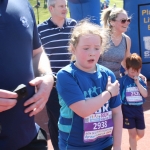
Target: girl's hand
column 113, row 87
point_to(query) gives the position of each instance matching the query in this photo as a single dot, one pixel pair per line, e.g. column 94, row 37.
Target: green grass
column 44, row 13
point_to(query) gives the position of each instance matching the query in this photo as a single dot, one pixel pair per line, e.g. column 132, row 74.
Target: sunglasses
column 124, row 20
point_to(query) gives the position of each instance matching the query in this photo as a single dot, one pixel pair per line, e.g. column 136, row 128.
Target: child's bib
column 97, row 125
column 133, row 95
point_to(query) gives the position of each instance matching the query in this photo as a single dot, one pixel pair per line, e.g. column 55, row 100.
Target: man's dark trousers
column 53, row 111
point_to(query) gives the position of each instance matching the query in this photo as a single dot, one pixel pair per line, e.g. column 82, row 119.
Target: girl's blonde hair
column 84, row 27
column 110, row 14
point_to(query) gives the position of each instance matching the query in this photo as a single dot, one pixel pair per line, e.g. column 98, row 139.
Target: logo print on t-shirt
column 92, row 91
column 24, row 22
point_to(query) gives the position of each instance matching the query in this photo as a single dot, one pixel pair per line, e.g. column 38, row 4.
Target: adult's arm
column 43, row 84
column 127, row 53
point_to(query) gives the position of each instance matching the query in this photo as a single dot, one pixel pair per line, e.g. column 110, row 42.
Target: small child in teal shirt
column 133, row 92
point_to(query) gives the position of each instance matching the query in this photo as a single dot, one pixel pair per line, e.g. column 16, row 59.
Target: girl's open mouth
column 91, row 60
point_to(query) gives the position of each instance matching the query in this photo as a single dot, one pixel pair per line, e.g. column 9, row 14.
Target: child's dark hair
column 134, row 61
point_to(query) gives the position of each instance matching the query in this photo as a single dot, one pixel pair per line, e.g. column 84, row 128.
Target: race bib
column 133, row 95
column 97, row 125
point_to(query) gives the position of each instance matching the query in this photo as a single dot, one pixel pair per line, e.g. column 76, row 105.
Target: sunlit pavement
column 143, row 144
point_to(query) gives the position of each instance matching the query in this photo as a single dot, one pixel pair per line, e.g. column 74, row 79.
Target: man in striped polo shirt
column 54, row 34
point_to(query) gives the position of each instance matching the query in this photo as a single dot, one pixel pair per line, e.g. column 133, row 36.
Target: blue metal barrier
column 139, row 30
column 80, row 9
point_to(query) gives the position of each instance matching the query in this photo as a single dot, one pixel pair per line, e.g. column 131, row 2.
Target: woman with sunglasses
column 116, row 20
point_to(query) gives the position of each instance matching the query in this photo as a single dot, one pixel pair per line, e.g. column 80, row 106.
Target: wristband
column 109, row 93
column 47, row 73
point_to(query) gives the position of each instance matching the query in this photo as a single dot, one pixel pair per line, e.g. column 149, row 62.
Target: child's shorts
column 133, row 117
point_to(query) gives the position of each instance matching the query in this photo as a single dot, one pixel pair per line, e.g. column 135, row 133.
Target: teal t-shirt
column 74, row 85
column 129, row 92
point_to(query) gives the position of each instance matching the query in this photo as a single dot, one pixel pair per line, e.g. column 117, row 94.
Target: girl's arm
column 142, row 90
column 85, row 108
column 118, row 124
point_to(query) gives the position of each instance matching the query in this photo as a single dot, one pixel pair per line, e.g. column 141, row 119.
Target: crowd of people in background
column 104, row 4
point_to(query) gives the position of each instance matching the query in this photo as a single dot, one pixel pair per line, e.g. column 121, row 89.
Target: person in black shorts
column 133, row 92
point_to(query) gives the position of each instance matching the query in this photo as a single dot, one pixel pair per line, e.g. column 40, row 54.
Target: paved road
column 143, row 144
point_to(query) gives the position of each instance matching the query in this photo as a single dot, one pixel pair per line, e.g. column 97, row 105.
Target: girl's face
column 121, row 23
column 133, row 73
column 87, row 52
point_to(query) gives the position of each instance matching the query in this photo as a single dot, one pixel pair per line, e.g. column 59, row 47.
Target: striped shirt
column 55, row 42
